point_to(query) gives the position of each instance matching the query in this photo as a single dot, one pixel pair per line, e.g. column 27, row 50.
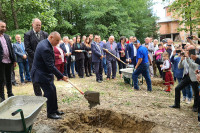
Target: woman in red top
column 59, row 58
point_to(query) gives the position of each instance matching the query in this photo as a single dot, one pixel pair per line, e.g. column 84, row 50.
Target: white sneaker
column 184, row 99
column 188, row 101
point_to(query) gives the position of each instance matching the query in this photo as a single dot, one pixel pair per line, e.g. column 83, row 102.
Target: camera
column 178, row 51
column 182, row 54
column 183, row 46
column 190, row 37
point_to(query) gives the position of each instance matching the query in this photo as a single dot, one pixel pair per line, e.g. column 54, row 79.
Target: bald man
column 31, row 40
column 43, row 71
column 7, row 59
column 189, row 78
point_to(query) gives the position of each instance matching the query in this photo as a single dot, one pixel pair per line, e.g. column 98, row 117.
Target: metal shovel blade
column 92, row 97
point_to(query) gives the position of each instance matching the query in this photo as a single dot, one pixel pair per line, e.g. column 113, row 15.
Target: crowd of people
column 83, row 56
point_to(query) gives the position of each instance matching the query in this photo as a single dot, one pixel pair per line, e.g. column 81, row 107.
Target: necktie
column 111, row 46
column 38, row 35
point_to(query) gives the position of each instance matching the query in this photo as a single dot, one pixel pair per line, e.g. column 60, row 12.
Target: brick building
column 169, row 27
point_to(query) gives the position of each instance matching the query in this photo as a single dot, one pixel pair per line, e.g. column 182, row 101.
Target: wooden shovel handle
column 114, row 56
column 76, row 87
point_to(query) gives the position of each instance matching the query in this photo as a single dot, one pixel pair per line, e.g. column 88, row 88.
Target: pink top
column 159, row 55
column 6, row 55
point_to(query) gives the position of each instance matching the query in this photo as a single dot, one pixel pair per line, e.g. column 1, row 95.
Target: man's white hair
column 112, row 37
column 65, row 37
column 35, row 20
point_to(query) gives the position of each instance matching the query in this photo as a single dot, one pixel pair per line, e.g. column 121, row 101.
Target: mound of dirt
column 104, row 121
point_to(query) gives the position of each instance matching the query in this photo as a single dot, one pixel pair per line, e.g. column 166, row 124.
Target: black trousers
column 88, row 63
column 36, row 86
column 68, row 66
column 49, row 90
column 159, row 68
column 121, row 65
column 5, row 78
column 13, row 74
column 98, row 70
column 184, row 82
column 80, row 67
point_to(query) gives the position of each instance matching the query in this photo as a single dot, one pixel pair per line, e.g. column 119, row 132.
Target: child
column 167, row 75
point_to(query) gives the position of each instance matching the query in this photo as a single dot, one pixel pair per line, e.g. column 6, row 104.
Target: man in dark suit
column 31, row 40
column 97, row 56
column 43, row 71
column 132, row 51
column 7, row 59
column 68, row 51
column 111, row 61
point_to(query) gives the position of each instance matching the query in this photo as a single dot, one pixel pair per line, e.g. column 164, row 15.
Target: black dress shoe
column 194, row 109
column 87, row 75
column 175, row 106
column 60, row 113
column 91, row 74
column 54, row 116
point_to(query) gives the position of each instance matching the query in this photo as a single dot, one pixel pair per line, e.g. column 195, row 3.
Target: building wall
column 168, row 27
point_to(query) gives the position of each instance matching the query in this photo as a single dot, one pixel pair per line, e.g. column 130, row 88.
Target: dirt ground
column 122, row 110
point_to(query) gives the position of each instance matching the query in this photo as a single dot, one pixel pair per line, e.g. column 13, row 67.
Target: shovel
column 127, row 65
column 91, row 96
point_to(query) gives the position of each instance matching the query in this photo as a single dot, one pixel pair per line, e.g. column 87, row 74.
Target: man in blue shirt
column 142, row 66
column 22, row 59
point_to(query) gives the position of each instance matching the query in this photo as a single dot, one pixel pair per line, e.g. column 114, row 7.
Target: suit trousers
column 98, row 70
column 67, row 67
column 80, row 67
column 36, row 86
column 5, row 77
column 183, row 83
column 121, row 65
column 88, row 63
column 111, row 66
column 13, row 74
column 49, row 90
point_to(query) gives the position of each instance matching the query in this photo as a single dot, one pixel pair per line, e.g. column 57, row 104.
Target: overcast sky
column 158, row 8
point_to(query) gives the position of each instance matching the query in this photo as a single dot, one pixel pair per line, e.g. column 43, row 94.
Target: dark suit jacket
column 113, row 51
column 19, row 52
column 43, row 67
column 130, row 51
column 62, row 46
column 10, row 49
column 96, row 52
column 78, row 55
column 57, row 54
column 119, row 46
column 31, row 42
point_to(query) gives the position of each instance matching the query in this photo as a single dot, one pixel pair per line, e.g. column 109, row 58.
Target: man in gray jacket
column 189, row 77
column 150, row 46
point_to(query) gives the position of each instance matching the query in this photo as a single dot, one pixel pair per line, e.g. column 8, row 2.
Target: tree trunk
column 2, row 15
column 14, row 14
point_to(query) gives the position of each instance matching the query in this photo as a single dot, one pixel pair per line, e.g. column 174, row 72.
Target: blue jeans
column 72, row 67
column 104, row 65
column 187, row 91
column 24, row 70
column 144, row 70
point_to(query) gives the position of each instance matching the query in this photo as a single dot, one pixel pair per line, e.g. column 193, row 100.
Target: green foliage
column 72, row 17
column 189, row 12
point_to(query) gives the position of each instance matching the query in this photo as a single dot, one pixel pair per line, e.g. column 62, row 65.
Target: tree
column 188, row 10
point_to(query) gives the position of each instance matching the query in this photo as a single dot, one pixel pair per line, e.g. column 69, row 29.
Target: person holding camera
column 178, row 74
column 189, row 77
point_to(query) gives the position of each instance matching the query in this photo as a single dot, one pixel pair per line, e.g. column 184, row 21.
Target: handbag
column 72, row 58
